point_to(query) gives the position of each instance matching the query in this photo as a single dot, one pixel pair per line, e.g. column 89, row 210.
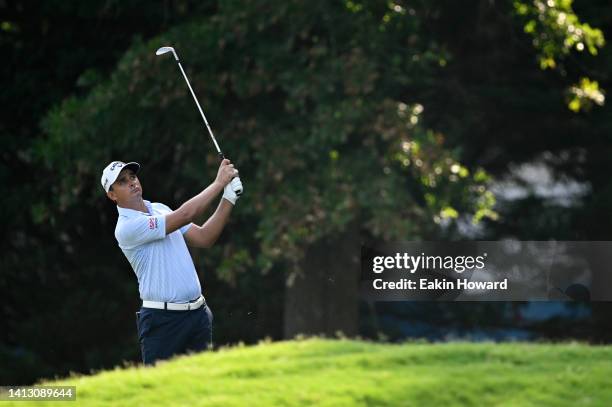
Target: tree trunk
column 324, row 298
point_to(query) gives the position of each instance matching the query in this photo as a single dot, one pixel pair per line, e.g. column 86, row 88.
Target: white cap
column 112, row 170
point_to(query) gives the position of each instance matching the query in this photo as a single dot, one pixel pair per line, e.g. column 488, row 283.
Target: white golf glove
column 233, row 190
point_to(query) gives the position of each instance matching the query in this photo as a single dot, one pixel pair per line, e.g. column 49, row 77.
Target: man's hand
column 226, row 172
column 229, row 192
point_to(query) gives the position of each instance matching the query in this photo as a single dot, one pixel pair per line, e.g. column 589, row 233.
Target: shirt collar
column 130, row 213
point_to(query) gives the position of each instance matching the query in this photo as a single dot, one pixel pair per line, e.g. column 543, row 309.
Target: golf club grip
column 237, row 186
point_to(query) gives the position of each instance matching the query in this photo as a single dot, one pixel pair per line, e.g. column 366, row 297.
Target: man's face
column 125, row 188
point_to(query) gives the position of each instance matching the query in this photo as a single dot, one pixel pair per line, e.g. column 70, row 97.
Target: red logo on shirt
column 152, row 223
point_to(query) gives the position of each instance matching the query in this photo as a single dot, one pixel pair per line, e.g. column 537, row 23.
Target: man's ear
column 111, row 195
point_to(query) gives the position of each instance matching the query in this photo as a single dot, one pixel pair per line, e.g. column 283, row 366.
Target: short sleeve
column 140, row 230
column 185, row 228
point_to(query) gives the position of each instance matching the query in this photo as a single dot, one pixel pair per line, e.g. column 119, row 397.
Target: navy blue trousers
column 163, row 334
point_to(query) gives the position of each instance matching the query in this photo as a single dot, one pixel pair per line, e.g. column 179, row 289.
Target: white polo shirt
column 162, row 264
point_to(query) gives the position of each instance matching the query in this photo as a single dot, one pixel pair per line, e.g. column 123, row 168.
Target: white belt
column 174, row 306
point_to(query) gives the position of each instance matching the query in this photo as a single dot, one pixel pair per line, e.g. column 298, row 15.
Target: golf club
column 163, row 50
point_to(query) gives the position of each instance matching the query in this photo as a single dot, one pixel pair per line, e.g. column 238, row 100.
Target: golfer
column 174, row 317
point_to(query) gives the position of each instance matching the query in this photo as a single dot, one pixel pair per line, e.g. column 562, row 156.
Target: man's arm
column 207, row 234
column 198, row 204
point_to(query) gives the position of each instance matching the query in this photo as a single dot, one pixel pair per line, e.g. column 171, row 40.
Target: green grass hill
column 345, row 372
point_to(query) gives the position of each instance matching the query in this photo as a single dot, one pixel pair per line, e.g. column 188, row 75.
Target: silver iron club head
column 164, row 50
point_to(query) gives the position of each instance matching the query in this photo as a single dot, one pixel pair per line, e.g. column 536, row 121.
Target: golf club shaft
column 201, row 112
column 236, row 185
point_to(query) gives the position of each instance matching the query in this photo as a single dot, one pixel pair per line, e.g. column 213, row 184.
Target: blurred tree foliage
column 382, row 119
column 319, row 113
column 556, row 31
